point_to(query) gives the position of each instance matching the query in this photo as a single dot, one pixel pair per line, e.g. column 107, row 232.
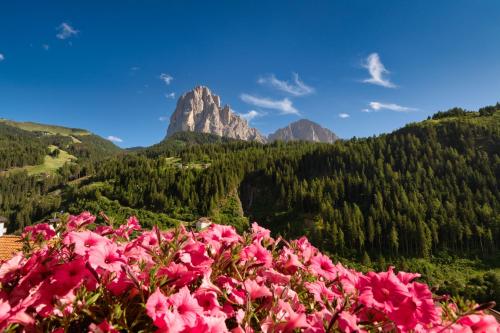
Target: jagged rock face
column 304, row 130
column 200, row 111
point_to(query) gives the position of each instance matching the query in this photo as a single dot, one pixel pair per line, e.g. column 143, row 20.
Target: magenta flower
column 348, row 322
column 186, row 305
column 258, row 254
column 323, row 266
column 255, row 290
column 84, row 241
column 42, row 231
column 79, row 221
column 106, row 256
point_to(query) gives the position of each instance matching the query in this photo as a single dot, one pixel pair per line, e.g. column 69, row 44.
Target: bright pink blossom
column 41, row 231
column 256, row 290
column 186, row 305
column 323, row 266
column 348, row 322
column 79, row 221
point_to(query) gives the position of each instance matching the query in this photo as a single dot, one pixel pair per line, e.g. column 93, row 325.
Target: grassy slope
column 52, row 129
column 50, row 164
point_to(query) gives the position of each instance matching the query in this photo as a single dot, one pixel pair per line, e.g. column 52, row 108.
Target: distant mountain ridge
column 304, row 130
column 199, row 110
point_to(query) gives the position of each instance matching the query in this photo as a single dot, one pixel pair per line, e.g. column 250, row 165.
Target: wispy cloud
column 285, row 106
column 46, row 47
column 113, row 138
column 66, row 31
column 166, row 78
column 135, row 68
column 2, row 57
column 296, row 88
column 252, row 114
column 377, row 106
column 344, row 115
column 170, row 95
column 163, row 118
column 377, row 71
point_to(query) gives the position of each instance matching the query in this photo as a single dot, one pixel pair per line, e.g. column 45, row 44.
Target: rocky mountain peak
column 305, row 130
column 199, row 110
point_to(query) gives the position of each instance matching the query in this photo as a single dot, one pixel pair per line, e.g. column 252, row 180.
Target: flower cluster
column 85, row 277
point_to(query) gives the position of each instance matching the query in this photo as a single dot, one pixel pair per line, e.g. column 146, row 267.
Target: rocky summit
column 304, row 130
column 200, row 111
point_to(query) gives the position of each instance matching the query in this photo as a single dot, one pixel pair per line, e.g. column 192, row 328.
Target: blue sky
column 98, row 64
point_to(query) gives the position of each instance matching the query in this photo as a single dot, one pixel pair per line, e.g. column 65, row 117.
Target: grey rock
column 200, row 111
column 305, row 130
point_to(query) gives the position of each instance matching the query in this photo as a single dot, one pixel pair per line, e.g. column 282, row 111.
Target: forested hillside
column 37, row 161
column 427, row 188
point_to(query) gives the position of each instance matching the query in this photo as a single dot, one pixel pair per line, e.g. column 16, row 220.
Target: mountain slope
column 303, row 130
column 79, row 142
column 200, row 111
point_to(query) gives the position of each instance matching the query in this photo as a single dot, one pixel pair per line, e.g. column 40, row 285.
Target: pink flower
column 383, row 291
column 157, row 305
column 258, row 254
column 79, row 221
column 323, row 266
column 348, row 322
column 288, row 320
column 208, row 301
column 70, row 275
column 322, row 294
column 186, row 305
column 407, row 277
column 10, row 315
column 194, row 255
column 215, row 324
column 107, row 257
column 125, row 230
column 232, row 288
column 259, row 234
column 84, row 241
column 255, row 290
column 39, row 231
column 306, row 250
column 220, row 236
column 288, row 261
column 103, row 327
column 10, row 266
column 480, row 323
column 178, row 274
column 274, row 277
column 157, row 308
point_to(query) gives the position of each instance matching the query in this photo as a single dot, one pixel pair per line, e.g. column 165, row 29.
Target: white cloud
column 285, row 106
column 296, row 88
column 113, row 138
column 66, row 31
column 46, row 47
column 163, row 118
column 377, row 71
column 166, row 78
column 376, row 106
column 344, row 115
column 252, row 114
column 170, row 95
column 2, row 57
column 135, row 68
